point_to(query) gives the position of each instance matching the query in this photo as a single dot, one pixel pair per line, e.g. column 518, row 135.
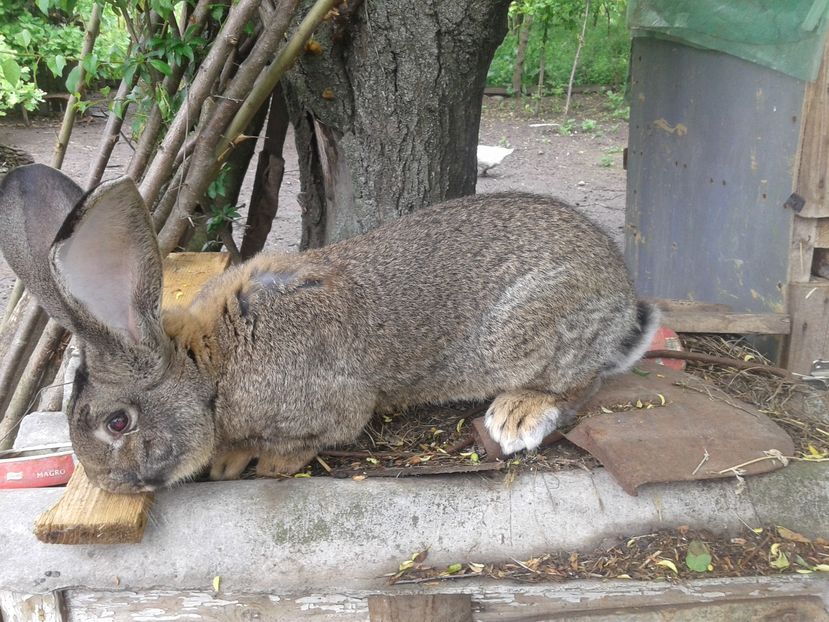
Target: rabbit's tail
column 637, row 341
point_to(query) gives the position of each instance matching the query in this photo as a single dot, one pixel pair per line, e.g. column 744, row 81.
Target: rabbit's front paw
column 230, row 464
column 274, row 464
column 519, row 420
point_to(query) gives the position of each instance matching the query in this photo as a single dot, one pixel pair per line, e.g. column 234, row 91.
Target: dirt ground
column 578, row 159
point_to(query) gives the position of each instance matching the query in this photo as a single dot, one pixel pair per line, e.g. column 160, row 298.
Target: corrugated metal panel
column 710, row 163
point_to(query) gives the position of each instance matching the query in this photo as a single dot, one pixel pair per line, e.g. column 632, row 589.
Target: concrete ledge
column 312, row 535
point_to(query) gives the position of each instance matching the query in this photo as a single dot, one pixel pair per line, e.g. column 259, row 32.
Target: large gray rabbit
column 511, row 296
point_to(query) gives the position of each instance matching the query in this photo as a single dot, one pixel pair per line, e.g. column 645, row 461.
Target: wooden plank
column 813, row 155
column 737, row 323
column 668, row 305
column 420, row 607
column 86, row 514
column 756, row 598
column 185, row 273
column 802, row 249
column 822, row 233
column 19, row 607
column 809, row 307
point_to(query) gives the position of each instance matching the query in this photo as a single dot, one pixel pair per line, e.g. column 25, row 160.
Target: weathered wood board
column 809, row 303
column 813, row 157
column 713, row 140
column 88, row 515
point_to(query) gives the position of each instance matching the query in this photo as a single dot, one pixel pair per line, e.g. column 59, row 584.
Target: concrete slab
column 42, row 428
column 321, row 534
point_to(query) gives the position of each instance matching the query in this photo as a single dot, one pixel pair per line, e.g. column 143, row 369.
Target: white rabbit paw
column 519, row 420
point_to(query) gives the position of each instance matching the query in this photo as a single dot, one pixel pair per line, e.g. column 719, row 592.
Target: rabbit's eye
column 118, row 422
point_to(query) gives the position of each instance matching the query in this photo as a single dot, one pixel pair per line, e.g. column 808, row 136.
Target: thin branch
column 160, row 169
column 69, row 116
column 27, row 389
column 204, row 166
column 112, row 132
column 576, row 59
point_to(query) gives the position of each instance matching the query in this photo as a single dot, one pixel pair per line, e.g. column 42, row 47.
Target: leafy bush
column 47, row 37
column 16, row 84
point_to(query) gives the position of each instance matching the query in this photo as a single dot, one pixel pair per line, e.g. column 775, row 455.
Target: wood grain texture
column 809, row 305
column 186, row 273
column 813, row 155
column 725, row 323
column 420, row 607
column 19, row 607
column 86, row 514
column 822, row 233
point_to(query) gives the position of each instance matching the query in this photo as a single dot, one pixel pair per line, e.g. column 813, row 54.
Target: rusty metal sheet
column 669, row 426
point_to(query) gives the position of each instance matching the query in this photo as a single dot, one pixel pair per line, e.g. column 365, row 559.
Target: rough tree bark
column 386, row 113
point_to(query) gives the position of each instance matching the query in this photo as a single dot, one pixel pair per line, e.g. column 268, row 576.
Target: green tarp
column 785, row 35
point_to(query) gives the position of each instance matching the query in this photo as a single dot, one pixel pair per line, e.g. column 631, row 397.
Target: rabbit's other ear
column 107, row 266
column 34, row 202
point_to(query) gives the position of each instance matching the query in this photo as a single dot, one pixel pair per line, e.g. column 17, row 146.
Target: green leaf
column 73, row 80
column 161, row 66
column 119, row 108
column 667, row 563
column 698, row 557
column 11, row 71
column 640, row 372
column 56, row 64
column 454, row 568
column 43, row 5
column 90, row 65
column 24, row 38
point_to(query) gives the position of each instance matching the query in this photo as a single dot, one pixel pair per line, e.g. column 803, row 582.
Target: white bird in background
column 490, row 157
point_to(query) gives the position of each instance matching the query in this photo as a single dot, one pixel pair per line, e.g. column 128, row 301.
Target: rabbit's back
column 504, row 289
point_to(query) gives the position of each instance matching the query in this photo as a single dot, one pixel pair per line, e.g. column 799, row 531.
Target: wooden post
column 19, row 607
column 420, row 607
column 807, row 296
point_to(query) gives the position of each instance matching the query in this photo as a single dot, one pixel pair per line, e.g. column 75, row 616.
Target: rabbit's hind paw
column 519, row 420
column 231, row 464
column 274, row 464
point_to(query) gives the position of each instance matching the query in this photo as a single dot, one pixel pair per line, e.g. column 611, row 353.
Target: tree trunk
column 386, row 113
column 542, row 61
column 521, row 53
column 576, row 59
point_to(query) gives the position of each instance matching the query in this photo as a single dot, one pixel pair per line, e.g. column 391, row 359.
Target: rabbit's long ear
column 94, row 266
column 34, row 202
column 107, row 267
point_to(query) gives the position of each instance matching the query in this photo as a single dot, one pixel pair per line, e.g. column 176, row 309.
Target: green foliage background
column 603, row 59
column 43, row 40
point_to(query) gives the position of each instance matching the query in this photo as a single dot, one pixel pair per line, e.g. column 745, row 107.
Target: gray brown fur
column 510, row 294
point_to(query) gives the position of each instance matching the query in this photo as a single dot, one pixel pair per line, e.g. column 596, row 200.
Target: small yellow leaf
column 775, row 548
column 661, row 399
column 372, row 460
column 302, row 475
column 405, row 565
column 474, row 458
column 623, row 576
column 757, row 530
column 476, row 567
column 606, row 410
column 459, row 426
column 667, row 563
column 748, row 357
column 638, row 403
column 710, row 567
column 387, row 419
column 217, row 583
column 821, row 567
column 788, row 534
